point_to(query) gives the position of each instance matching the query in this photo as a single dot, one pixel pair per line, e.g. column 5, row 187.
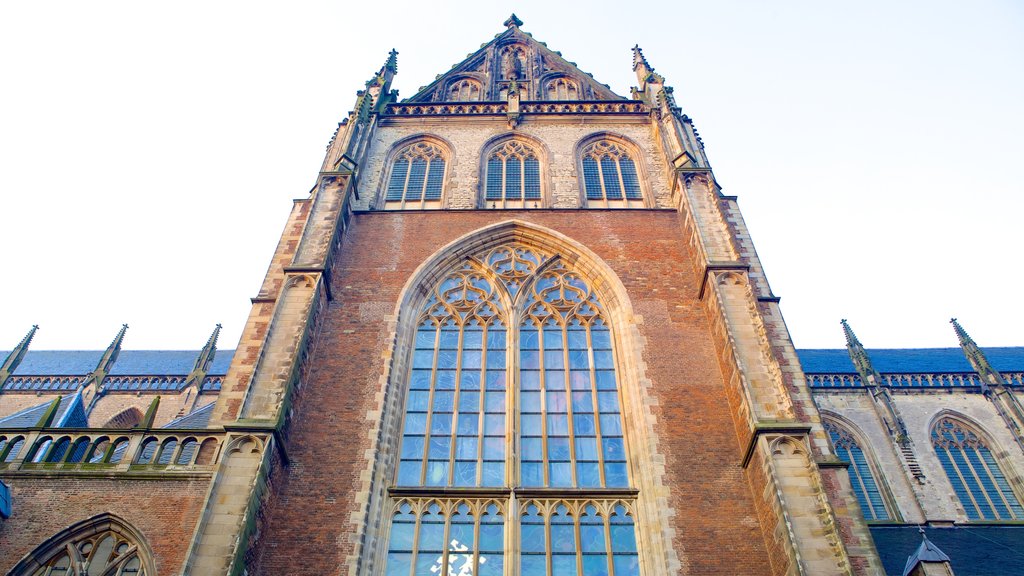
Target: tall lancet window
column 869, row 495
column 513, row 177
column 416, row 178
column 610, row 178
column 977, row 480
column 512, row 435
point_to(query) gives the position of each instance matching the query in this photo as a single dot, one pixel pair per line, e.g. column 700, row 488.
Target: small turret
column 928, row 560
column 16, row 356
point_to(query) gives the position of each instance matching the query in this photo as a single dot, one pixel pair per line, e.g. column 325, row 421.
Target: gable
column 513, row 59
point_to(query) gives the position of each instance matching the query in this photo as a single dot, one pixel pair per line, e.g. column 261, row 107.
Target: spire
column 392, row 63
column 94, row 382
column 194, row 380
column 640, row 61
column 859, row 356
column 16, row 355
column 927, row 553
column 513, row 22
column 989, row 375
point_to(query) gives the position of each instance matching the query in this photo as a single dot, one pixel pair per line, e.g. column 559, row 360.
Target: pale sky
column 149, row 152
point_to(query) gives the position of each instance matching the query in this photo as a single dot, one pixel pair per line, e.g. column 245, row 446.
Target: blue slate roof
column 837, row 360
column 129, row 362
column 972, row 550
column 198, row 419
column 69, row 415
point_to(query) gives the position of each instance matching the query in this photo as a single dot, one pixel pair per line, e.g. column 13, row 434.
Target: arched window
column 100, row 546
column 867, row 489
column 416, row 180
column 562, row 89
column 610, row 178
column 464, row 90
column 512, row 176
column 512, row 389
column 977, row 480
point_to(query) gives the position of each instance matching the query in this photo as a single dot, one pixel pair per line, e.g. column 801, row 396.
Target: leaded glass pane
column 977, row 480
column 396, row 185
column 417, row 176
column 629, row 178
column 532, row 178
column 494, row 178
column 610, row 176
column 435, row 179
column 861, row 476
column 513, row 179
column 592, row 179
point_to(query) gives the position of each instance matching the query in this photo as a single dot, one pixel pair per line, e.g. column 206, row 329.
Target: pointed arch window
column 512, row 390
column 101, row 546
column 977, row 479
column 862, row 477
column 416, row 178
column 562, row 89
column 464, row 90
column 513, row 178
column 610, row 178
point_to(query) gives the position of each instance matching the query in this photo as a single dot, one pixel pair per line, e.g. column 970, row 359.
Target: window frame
column 626, row 148
column 877, row 475
column 399, row 151
column 538, row 151
column 512, row 497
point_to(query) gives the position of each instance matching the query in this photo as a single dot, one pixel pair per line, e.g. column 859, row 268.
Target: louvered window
column 872, row 503
column 416, row 179
column 513, row 178
column 610, row 177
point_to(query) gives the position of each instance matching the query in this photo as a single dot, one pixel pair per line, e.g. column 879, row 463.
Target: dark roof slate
column 197, row 419
column 1009, row 359
column 972, row 550
column 129, row 362
column 30, row 416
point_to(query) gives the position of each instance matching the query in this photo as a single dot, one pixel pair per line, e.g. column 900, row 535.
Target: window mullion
column 454, row 434
column 425, row 463
column 987, row 472
column 963, row 482
column 598, row 436
column 416, row 537
column 445, row 544
column 568, row 406
column 608, row 540
column 546, row 456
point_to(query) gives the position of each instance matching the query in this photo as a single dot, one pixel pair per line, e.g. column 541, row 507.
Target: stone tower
column 516, row 328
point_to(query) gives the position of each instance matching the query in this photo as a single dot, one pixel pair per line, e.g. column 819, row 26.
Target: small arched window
column 513, row 176
column 872, row 503
column 610, row 178
column 977, row 480
column 464, row 90
column 416, row 180
column 562, row 89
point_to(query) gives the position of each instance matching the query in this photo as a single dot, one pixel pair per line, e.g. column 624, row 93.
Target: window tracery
column 610, row 176
column 513, row 176
column 100, row 546
column 464, row 90
column 977, row 479
column 562, row 89
column 416, row 180
column 512, row 326
column 865, row 486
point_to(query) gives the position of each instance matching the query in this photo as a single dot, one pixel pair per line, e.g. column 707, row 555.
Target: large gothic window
column 977, row 480
column 512, row 435
column 610, row 178
column 100, row 546
column 869, row 494
column 416, row 178
column 512, row 178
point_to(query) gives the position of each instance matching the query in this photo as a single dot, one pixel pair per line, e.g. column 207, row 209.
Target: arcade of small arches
column 513, row 173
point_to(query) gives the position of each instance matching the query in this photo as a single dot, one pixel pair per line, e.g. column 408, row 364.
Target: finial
column 513, row 21
column 638, row 59
column 10, row 364
column 392, row 62
column 851, row 338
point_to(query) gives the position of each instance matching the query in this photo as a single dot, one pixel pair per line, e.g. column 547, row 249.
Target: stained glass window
column 977, row 480
column 107, row 553
column 610, row 177
column 513, row 177
column 872, row 504
column 564, row 428
column 416, row 180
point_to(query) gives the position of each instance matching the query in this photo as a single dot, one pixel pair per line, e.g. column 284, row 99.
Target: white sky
column 149, row 152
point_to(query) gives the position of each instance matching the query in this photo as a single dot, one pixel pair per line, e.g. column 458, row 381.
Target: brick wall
column 164, row 511
column 708, row 493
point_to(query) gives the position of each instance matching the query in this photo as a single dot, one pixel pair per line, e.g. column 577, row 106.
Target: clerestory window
column 977, row 480
column 865, row 486
column 512, row 436
column 416, row 178
column 512, row 178
column 610, row 178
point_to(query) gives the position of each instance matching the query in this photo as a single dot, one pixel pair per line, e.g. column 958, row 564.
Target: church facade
column 515, row 328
